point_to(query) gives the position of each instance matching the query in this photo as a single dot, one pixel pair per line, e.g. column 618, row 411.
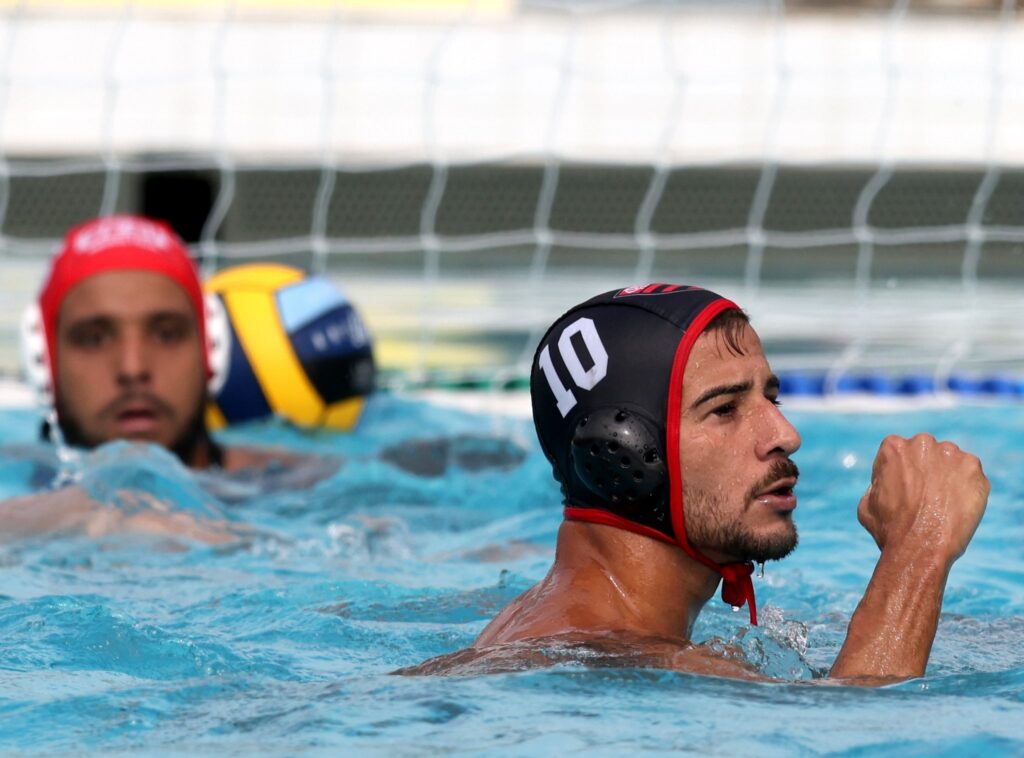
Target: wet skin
column 634, row 599
column 130, row 365
column 735, row 446
column 733, row 440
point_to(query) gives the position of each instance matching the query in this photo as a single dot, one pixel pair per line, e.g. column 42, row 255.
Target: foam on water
column 282, row 641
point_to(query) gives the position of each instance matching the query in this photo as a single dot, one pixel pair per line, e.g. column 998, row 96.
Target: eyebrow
column 86, row 322
column 169, row 315
column 734, row 389
column 104, row 320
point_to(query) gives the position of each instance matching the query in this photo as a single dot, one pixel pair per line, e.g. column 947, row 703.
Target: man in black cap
column 650, row 398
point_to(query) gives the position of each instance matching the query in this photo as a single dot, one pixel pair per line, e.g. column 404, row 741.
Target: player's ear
column 616, row 453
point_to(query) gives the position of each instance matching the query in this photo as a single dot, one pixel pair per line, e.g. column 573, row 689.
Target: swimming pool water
column 282, row 642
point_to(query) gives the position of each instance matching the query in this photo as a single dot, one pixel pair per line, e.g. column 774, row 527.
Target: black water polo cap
column 606, row 387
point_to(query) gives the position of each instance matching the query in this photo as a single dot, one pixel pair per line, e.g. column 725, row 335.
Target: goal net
column 851, row 173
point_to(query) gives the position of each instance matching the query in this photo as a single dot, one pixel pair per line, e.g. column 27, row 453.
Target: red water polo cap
column 117, row 243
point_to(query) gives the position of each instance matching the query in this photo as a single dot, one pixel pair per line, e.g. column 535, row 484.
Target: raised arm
column 923, row 505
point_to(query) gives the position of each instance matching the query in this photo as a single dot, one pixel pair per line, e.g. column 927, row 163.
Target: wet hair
column 730, row 325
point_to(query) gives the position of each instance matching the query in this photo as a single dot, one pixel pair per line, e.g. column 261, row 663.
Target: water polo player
column 118, row 339
column 658, row 411
column 119, row 342
column 125, row 345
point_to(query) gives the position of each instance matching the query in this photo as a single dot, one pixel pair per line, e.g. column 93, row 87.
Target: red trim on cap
column 736, row 576
column 598, row 516
column 674, row 412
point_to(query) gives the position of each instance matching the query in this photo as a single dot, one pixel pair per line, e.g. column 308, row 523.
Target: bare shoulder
column 65, row 509
column 606, row 650
column 71, row 511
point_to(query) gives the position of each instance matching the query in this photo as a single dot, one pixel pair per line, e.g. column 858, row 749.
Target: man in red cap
column 121, row 345
column 125, row 338
column 659, row 414
column 118, row 344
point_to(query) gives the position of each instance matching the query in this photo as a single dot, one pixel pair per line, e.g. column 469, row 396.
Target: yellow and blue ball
column 294, row 346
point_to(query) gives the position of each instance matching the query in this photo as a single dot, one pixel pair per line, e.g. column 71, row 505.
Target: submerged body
column 299, row 628
column 118, row 344
column 613, row 581
column 72, row 511
column 129, row 365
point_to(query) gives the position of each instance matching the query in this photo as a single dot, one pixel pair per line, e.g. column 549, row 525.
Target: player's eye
column 171, row 331
column 88, row 336
column 724, row 410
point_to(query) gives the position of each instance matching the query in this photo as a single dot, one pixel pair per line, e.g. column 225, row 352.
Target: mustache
column 117, row 405
column 780, row 469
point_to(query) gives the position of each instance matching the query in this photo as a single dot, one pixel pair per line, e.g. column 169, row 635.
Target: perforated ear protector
column 35, row 356
column 617, row 455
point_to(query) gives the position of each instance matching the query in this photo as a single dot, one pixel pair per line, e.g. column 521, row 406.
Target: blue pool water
column 281, row 642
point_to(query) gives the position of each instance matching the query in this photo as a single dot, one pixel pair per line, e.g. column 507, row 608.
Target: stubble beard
column 193, row 439
column 709, row 527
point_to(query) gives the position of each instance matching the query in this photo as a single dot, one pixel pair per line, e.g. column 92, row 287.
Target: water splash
column 134, row 477
column 69, row 460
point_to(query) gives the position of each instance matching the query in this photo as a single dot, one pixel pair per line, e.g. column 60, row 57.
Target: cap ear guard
column 616, row 454
column 218, row 343
column 35, row 357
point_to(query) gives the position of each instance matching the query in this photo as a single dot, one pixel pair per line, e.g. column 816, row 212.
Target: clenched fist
column 924, row 493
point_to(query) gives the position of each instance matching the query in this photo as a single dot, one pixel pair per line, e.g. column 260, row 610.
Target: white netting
column 851, row 173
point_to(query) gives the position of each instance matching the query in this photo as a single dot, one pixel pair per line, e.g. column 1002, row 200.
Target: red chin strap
column 737, row 588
